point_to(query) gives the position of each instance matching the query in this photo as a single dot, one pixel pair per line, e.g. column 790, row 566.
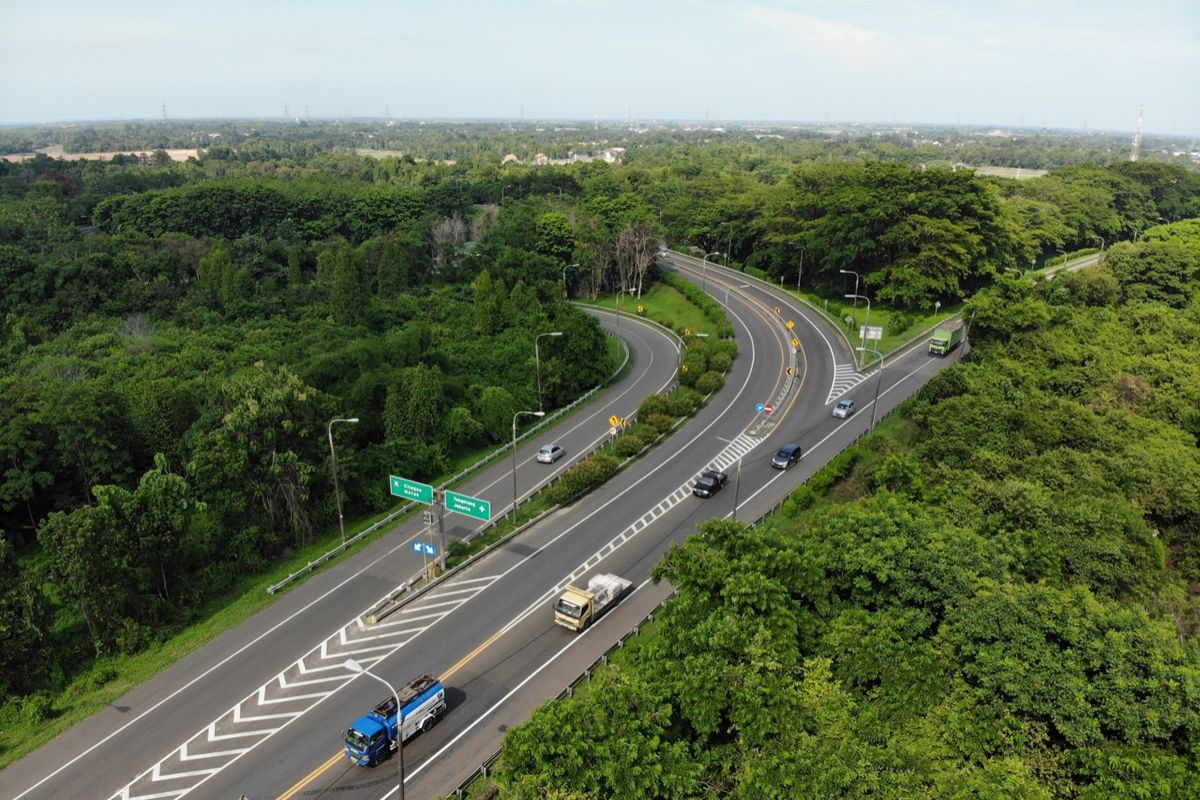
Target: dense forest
column 996, row 597
column 176, row 337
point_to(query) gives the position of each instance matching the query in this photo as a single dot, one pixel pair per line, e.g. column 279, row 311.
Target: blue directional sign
column 421, row 547
column 760, row 408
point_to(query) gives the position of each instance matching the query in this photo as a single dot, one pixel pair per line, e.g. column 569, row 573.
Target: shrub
column 654, row 404
column 720, row 362
column 709, row 382
column 37, row 708
column 582, row 478
column 684, row 401
column 807, row 493
column 627, row 446
column 660, row 422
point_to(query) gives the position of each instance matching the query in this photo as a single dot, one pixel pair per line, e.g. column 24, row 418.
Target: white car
column 550, row 453
column 843, row 409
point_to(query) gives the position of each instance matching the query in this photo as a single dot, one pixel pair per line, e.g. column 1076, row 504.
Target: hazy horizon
column 1075, row 66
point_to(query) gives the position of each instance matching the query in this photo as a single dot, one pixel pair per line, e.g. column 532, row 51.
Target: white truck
column 578, row 608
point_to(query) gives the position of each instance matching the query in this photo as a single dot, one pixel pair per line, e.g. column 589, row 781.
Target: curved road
column 261, row 709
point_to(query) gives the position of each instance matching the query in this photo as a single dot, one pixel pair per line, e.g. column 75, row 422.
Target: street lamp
column 1064, row 255
column 1101, row 238
column 538, row 362
column 337, row 495
column 1014, row 269
column 514, row 455
column 742, row 286
column 846, row 272
column 354, row 666
column 619, row 293
column 867, row 318
column 875, row 405
column 704, row 271
column 800, row 272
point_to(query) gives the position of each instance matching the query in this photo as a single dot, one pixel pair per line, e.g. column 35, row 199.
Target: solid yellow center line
column 310, row 777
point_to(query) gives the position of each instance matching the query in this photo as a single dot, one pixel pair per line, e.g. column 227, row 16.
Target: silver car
column 843, row 409
column 550, row 453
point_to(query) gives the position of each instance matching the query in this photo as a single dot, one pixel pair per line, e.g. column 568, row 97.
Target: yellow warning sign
column 614, row 420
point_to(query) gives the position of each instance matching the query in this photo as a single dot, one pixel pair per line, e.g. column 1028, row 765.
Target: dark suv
column 788, row 455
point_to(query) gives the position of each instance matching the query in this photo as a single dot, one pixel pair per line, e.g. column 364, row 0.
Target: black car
column 710, row 483
column 788, row 455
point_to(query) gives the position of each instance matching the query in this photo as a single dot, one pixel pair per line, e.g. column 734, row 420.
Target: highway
column 260, row 710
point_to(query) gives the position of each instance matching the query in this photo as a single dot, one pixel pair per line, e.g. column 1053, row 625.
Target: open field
column 1010, row 172
column 57, row 152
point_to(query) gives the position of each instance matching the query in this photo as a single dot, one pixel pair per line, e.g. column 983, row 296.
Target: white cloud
column 851, row 44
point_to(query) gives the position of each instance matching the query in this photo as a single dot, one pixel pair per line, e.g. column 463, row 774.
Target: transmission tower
column 164, row 106
column 1137, row 136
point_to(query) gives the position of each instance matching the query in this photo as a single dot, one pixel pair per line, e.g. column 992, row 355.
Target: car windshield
column 845, row 404
column 548, row 449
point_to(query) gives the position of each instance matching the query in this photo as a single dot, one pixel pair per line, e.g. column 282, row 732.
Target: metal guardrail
column 405, row 508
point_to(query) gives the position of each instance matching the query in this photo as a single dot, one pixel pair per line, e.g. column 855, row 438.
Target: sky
column 1076, row 64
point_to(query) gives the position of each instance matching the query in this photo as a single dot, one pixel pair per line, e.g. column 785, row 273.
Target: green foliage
column 999, row 604
column 582, row 478
column 628, row 445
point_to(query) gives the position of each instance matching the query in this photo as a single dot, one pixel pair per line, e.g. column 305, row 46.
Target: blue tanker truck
column 422, row 701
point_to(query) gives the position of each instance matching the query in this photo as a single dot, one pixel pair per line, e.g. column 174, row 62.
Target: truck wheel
column 427, row 723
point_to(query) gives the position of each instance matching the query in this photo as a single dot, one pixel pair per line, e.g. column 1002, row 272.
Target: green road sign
column 411, row 490
column 471, row 506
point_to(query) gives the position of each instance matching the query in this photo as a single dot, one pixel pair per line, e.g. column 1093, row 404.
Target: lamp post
column 1101, row 238
column 857, row 297
column 800, row 272
column 514, row 455
column 855, row 274
column 1064, row 255
column 704, row 271
column 354, row 666
column 619, row 293
column 741, row 286
column 878, row 379
column 538, row 362
column 1014, row 269
column 337, row 494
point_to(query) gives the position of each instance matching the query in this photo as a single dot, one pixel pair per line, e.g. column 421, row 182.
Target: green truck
column 946, row 338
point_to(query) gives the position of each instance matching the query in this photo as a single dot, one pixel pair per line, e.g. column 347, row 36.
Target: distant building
column 509, row 159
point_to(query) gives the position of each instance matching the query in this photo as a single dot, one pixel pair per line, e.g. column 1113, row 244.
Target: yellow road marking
column 310, row 777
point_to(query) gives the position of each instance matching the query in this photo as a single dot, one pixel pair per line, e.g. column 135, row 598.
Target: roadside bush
column 628, row 445
column 807, row 493
column 695, row 364
column 582, row 478
column 37, row 708
column 726, row 347
column 684, row 401
column 720, row 362
column 654, row 404
column 660, row 422
column 709, row 382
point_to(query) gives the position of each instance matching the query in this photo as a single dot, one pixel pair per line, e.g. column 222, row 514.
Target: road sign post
column 468, row 506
